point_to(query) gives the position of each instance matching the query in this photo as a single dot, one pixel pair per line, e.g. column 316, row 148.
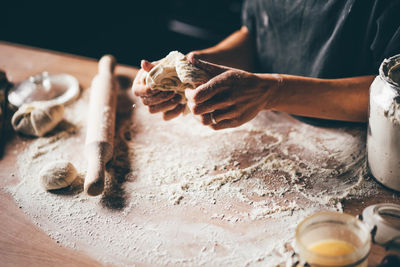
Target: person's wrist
column 273, row 85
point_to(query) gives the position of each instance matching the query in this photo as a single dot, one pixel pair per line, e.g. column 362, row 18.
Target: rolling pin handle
column 94, row 187
column 107, row 64
column 98, row 154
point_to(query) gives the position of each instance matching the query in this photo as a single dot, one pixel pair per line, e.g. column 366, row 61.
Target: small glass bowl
column 333, row 226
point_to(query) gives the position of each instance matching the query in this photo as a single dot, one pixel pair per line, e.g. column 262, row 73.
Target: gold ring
column 213, row 119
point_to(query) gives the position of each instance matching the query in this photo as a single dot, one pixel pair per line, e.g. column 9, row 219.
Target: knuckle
column 236, row 122
column 173, row 107
column 148, row 91
column 181, row 108
column 214, row 126
column 177, row 98
column 164, row 95
column 231, row 77
column 229, row 100
column 174, row 100
column 205, row 120
column 167, row 116
column 229, row 72
column 197, row 110
column 145, row 101
column 235, row 113
column 137, row 89
column 152, row 109
column 139, row 79
column 198, row 95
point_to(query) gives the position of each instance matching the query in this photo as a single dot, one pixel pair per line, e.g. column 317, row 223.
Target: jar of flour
column 383, row 140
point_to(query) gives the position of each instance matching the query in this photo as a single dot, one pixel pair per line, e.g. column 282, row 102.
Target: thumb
column 210, row 68
column 146, row 65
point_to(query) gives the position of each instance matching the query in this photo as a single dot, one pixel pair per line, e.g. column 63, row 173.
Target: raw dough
column 58, row 174
column 175, row 73
column 37, row 118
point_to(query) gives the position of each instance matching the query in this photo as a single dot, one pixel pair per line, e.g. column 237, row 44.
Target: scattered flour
column 184, row 195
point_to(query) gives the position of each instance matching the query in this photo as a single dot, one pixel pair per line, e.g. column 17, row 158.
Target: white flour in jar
column 383, row 143
column 210, row 198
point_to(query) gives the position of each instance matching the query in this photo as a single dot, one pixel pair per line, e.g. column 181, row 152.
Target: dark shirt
column 324, row 39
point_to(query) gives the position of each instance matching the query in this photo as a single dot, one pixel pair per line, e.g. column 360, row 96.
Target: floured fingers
column 167, row 105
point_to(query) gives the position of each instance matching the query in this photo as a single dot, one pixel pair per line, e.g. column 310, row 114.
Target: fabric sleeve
column 386, row 41
column 248, row 14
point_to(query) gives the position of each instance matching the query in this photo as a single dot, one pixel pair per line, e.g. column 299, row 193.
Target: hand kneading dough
column 175, row 73
column 58, row 174
column 37, row 118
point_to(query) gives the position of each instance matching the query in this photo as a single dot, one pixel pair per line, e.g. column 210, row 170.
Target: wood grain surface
column 21, row 242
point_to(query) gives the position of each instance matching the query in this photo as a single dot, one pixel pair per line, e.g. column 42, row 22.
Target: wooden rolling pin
column 99, row 143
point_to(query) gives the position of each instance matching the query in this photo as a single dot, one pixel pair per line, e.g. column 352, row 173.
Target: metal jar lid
column 389, row 70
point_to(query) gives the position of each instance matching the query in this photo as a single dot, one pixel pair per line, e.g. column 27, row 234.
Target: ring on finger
column 212, row 118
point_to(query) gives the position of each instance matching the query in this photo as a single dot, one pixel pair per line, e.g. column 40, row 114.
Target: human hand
column 167, row 102
column 202, row 55
column 231, row 97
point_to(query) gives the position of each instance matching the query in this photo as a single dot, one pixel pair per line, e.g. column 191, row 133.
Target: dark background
column 130, row 30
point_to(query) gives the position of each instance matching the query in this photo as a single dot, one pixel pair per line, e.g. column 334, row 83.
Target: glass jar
column 383, row 140
column 333, row 239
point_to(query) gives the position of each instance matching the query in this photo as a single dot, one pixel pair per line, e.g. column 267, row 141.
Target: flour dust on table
column 182, row 194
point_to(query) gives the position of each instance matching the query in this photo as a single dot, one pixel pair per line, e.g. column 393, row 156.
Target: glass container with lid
column 383, row 140
column 333, row 239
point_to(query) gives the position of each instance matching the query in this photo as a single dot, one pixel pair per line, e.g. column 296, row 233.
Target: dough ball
column 163, row 77
column 175, row 73
column 58, row 174
column 190, row 75
column 37, row 118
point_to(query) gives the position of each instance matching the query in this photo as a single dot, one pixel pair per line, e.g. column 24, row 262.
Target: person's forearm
column 337, row 99
column 234, row 51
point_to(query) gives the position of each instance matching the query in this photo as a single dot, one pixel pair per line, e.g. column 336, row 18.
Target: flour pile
column 185, row 195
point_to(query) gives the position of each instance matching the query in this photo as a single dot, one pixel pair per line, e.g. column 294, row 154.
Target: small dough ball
column 37, row 118
column 58, row 174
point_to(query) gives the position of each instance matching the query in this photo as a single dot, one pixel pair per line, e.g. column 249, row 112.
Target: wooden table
column 23, row 243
